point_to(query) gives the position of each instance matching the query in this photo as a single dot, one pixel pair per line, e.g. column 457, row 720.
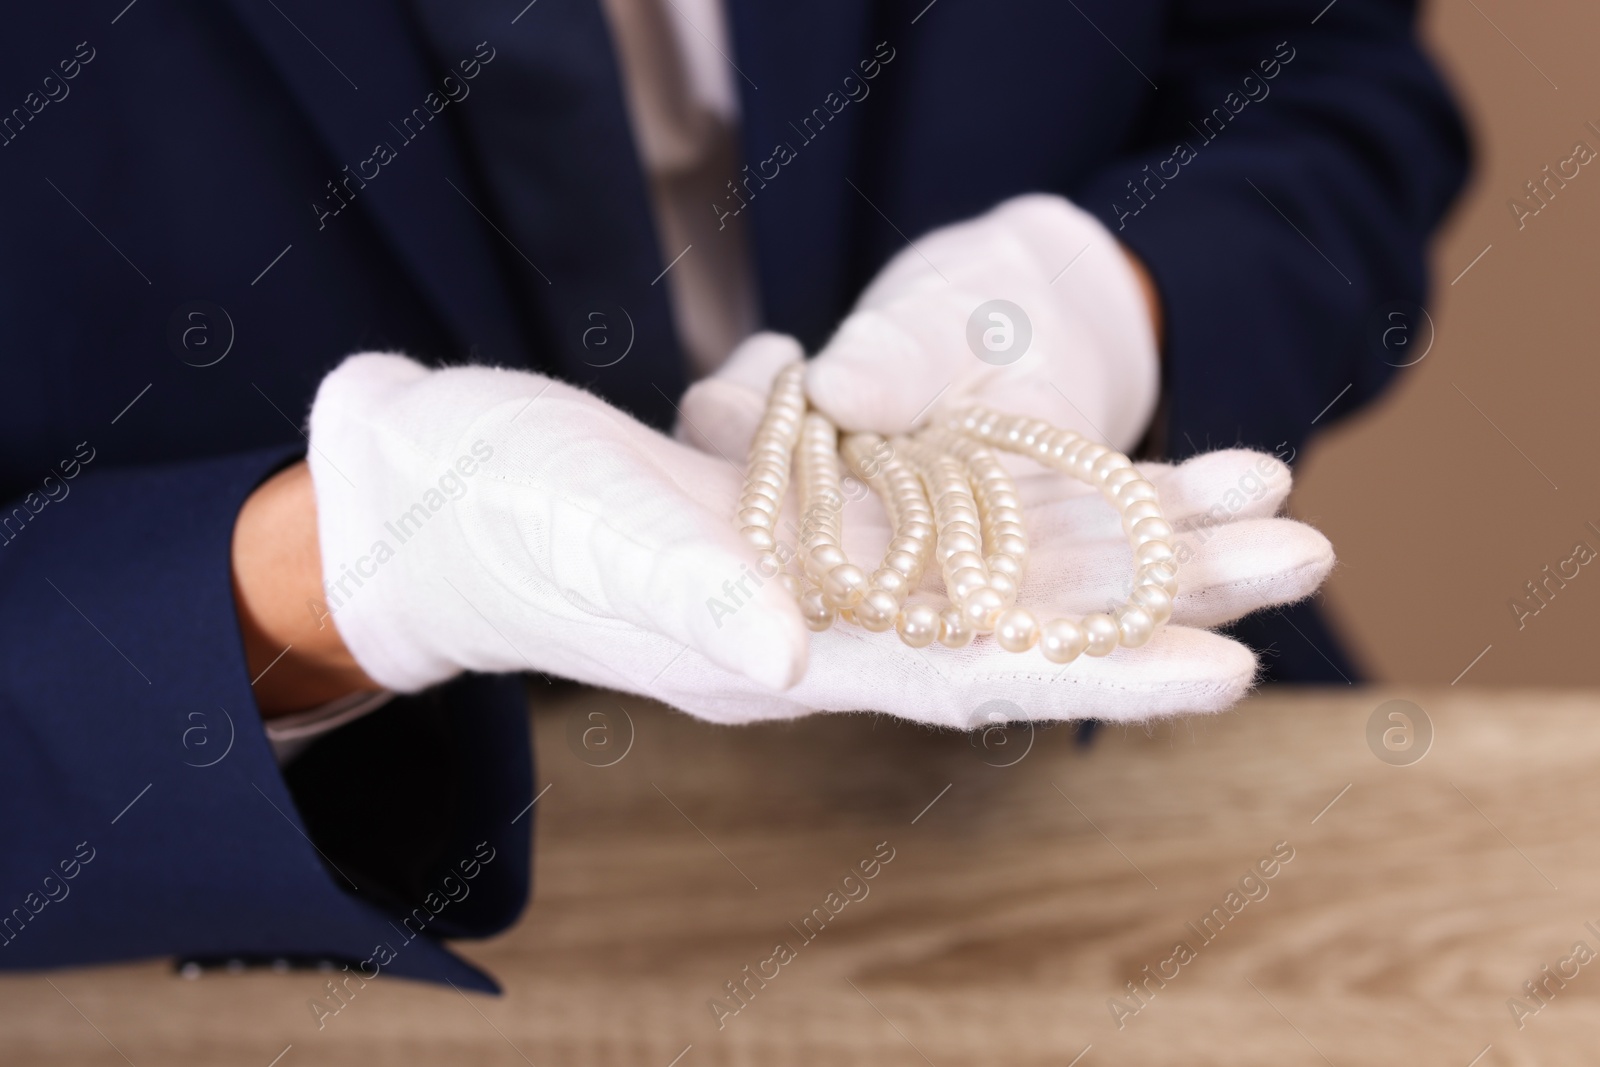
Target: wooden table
column 1019, row 901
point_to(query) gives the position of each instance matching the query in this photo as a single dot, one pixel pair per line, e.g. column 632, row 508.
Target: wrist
column 1152, row 296
column 294, row 653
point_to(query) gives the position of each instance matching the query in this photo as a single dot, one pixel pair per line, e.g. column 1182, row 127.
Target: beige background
column 1438, row 519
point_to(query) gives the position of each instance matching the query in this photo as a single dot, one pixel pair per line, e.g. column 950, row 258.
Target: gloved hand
column 494, row 520
column 1235, row 558
column 1077, row 349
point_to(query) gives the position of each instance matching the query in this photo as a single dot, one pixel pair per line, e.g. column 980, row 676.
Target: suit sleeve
column 148, row 815
column 1281, row 191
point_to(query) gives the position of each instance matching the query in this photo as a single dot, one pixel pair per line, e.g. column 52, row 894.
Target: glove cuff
column 371, row 520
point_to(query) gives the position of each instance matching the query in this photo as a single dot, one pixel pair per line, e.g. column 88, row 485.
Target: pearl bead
column 980, row 609
column 755, row 517
column 1155, row 600
column 822, row 559
column 1063, row 440
column 1116, row 480
column 953, row 629
column 891, row 581
column 960, row 561
column 1011, row 545
column 816, row 611
column 1083, row 465
column 906, row 493
column 1150, row 530
column 1016, row 630
column 791, row 584
column 1153, row 552
column 1135, row 625
column 1068, row 453
column 1138, row 511
column 759, row 538
column 768, row 564
column 906, row 563
column 960, row 529
column 1113, row 461
column 844, row 586
column 918, row 626
column 1102, row 632
column 877, row 610
column 912, row 545
column 1000, row 563
column 1163, row 574
column 1000, row 515
column 961, row 542
column 1004, row 499
column 966, row 515
column 1062, row 640
column 963, row 583
column 755, row 502
column 1002, row 584
column 1138, row 489
column 766, row 472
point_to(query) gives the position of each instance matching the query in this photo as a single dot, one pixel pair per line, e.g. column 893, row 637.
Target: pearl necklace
column 949, row 500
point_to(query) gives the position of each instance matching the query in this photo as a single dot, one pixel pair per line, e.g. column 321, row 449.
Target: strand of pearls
column 1155, row 581
column 973, row 605
column 949, row 499
column 766, row 481
column 837, row 586
column 883, row 605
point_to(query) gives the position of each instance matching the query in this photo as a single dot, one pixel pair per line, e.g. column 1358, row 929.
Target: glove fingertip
column 1212, row 672
column 859, row 393
column 766, row 640
column 361, row 382
column 834, row 387
column 719, row 416
column 760, row 357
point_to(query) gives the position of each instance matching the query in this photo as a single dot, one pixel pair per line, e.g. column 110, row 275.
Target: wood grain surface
column 1031, row 880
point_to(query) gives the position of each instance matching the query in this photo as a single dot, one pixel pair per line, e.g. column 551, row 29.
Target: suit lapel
column 794, row 57
column 558, row 158
column 562, row 180
column 358, row 73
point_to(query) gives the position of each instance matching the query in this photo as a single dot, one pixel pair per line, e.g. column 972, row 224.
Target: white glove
column 494, row 520
column 924, row 329
column 1235, row 558
column 499, row 521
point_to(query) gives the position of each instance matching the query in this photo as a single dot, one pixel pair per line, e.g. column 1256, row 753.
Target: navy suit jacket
column 207, row 205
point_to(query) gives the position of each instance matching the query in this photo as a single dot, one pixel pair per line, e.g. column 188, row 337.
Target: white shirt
column 683, row 104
